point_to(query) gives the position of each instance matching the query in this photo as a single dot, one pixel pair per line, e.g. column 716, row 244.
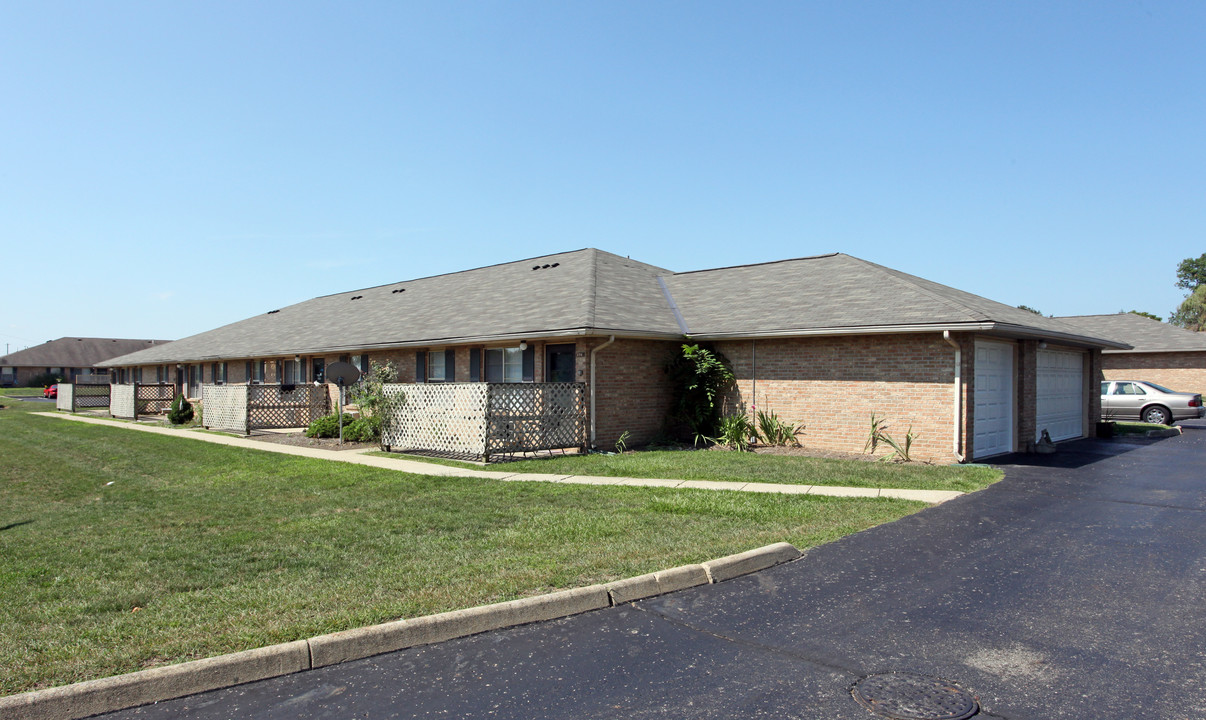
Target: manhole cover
column 909, row 696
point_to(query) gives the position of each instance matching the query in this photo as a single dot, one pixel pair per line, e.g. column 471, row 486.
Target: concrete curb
column 93, row 697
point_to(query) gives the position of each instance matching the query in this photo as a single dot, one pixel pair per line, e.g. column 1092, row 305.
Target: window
column 219, row 371
column 504, row 365
column 360, row 362
column 293, row 372
column 320, row 367
column 1128, row 388
column 435, row 366
column 136, row 374
column 257, row 372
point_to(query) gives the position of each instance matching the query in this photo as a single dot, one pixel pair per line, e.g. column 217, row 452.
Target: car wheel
column 1157, row 415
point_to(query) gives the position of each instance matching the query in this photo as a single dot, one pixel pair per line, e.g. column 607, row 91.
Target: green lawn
column 1135, row 428
column 21, row 392
column 122, row 550
column 753, row 467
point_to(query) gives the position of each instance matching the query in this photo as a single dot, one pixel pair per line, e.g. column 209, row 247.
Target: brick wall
column 1181, row 371
column 833, row 385
column 633, row 391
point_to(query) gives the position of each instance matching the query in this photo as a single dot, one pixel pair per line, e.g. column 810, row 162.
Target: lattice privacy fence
column 243, row 408
column 154, row 399
column 73, row 396
column 484, row 419
column 122, row 401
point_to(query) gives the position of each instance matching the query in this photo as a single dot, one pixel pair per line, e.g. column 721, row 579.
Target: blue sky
column 167, row 168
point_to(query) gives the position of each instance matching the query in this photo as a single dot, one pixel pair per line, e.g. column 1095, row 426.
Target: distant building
column 67, row 358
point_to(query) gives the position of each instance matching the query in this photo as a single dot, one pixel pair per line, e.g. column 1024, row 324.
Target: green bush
column 181, row 411
column 41, row 381
column 773, row 431
column 735, row 431
column 328, row 426
column 699, row 378
column 364, row 429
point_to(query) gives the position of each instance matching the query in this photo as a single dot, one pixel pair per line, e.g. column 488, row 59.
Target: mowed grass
column 122, row 550
column 753, row 467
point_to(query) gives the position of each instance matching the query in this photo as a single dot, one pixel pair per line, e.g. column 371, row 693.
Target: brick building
column 1161, row 353
column 825, row 341
column 67, row 358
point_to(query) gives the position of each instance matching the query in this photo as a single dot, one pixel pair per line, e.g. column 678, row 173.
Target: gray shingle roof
column 1145, row 334
column 76, row 352
column 838, row 292
column 566, row 293
column 594, row 292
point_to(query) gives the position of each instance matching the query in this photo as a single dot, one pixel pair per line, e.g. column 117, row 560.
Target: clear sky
column 170, row 167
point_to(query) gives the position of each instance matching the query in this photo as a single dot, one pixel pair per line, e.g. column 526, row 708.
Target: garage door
column 993, row 417
column 1060, row 400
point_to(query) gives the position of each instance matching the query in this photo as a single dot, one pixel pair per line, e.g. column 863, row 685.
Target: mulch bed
column 300, row 440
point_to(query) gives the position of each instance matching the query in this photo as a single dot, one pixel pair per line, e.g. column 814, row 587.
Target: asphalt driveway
column 1074, row 588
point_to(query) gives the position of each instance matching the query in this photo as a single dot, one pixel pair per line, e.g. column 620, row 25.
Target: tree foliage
column 699, row 376
column 1027, row 308
column 1191, row 315
column 1191, row 273
column 1157, row 318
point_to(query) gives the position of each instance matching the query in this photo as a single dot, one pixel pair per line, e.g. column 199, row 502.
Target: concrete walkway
column 423, row 468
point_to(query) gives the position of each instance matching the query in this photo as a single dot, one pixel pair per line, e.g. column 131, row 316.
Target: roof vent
column 545, row 267
column 273, row 312
column 357, row 297
column 395, row 292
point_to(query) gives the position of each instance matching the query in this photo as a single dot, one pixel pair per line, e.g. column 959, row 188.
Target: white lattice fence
column 154, row 398
column 484, row 419
column 224, row 407
column 532, row 417
column 122, row 402
column 436, row 417
column 66, row 398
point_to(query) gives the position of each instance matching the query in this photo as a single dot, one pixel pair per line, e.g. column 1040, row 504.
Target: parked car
column 50, row 391
column 1148, row 402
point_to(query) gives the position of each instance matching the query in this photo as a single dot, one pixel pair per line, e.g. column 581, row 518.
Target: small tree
column 1027, row 308
column 181, row 411
column 1191, row 315
column 1191, row 273
column 369, row 396
column 699, row 377
column 1140, row 313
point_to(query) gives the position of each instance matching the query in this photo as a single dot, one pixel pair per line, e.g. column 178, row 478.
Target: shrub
column 364, row 429
column 773, row 431
column 181, row 411
column 699, row 377
column 327, row 426
column 43, row 380
column 735, row 431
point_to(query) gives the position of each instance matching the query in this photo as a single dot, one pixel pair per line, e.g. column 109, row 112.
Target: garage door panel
column 1059, row 390
column 993, row 412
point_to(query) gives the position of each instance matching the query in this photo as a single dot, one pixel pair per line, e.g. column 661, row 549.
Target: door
column 1124, row 401
column 1060, row 398
column 993, row 414
column 559, row 363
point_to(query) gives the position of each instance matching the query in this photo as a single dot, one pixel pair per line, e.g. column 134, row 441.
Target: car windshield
column 1161, row 388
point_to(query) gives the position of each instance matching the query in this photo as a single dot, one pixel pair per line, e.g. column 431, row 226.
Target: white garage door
column 993, row 417
column 1060, row 401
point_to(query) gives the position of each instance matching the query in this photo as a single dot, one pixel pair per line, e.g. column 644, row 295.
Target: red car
column 51, row 392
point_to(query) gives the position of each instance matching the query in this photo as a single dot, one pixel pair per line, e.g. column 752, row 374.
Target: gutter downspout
column 946, row 335
column 593, row 351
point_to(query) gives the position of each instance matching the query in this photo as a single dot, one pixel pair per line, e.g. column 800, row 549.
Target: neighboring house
column 825, row 341
column 1161, row 353
column 67, row 358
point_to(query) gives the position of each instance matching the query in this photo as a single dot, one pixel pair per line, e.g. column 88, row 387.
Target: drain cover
column 910, row 696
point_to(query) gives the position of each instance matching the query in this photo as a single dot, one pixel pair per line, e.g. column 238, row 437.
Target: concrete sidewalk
column 423, row 468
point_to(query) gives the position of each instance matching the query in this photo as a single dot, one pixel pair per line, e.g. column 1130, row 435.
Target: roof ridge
column 592, row 303
column 907, row 279
column 746, row 265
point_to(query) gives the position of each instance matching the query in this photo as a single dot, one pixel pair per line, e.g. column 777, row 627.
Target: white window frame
column 511, row 362
column 436, row 366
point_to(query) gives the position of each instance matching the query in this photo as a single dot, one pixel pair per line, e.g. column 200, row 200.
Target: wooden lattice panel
column 224, row 407
column 532, row 417
column 89, row 396
column 285, row 406
column 435, row 417
column 155, row 398
column 65, row 400
column 122, row 401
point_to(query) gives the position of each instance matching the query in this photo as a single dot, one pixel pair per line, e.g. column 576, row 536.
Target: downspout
column 946, row 335
column 593, row 351
column 754, row 379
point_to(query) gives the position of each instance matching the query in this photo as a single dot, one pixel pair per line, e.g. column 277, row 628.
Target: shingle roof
column 1145, row 334
column 76, row 352
column 595, row 292
column 565, row 293
column 828, row 293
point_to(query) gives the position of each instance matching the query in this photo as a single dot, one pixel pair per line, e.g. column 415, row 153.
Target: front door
column 559, row 363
